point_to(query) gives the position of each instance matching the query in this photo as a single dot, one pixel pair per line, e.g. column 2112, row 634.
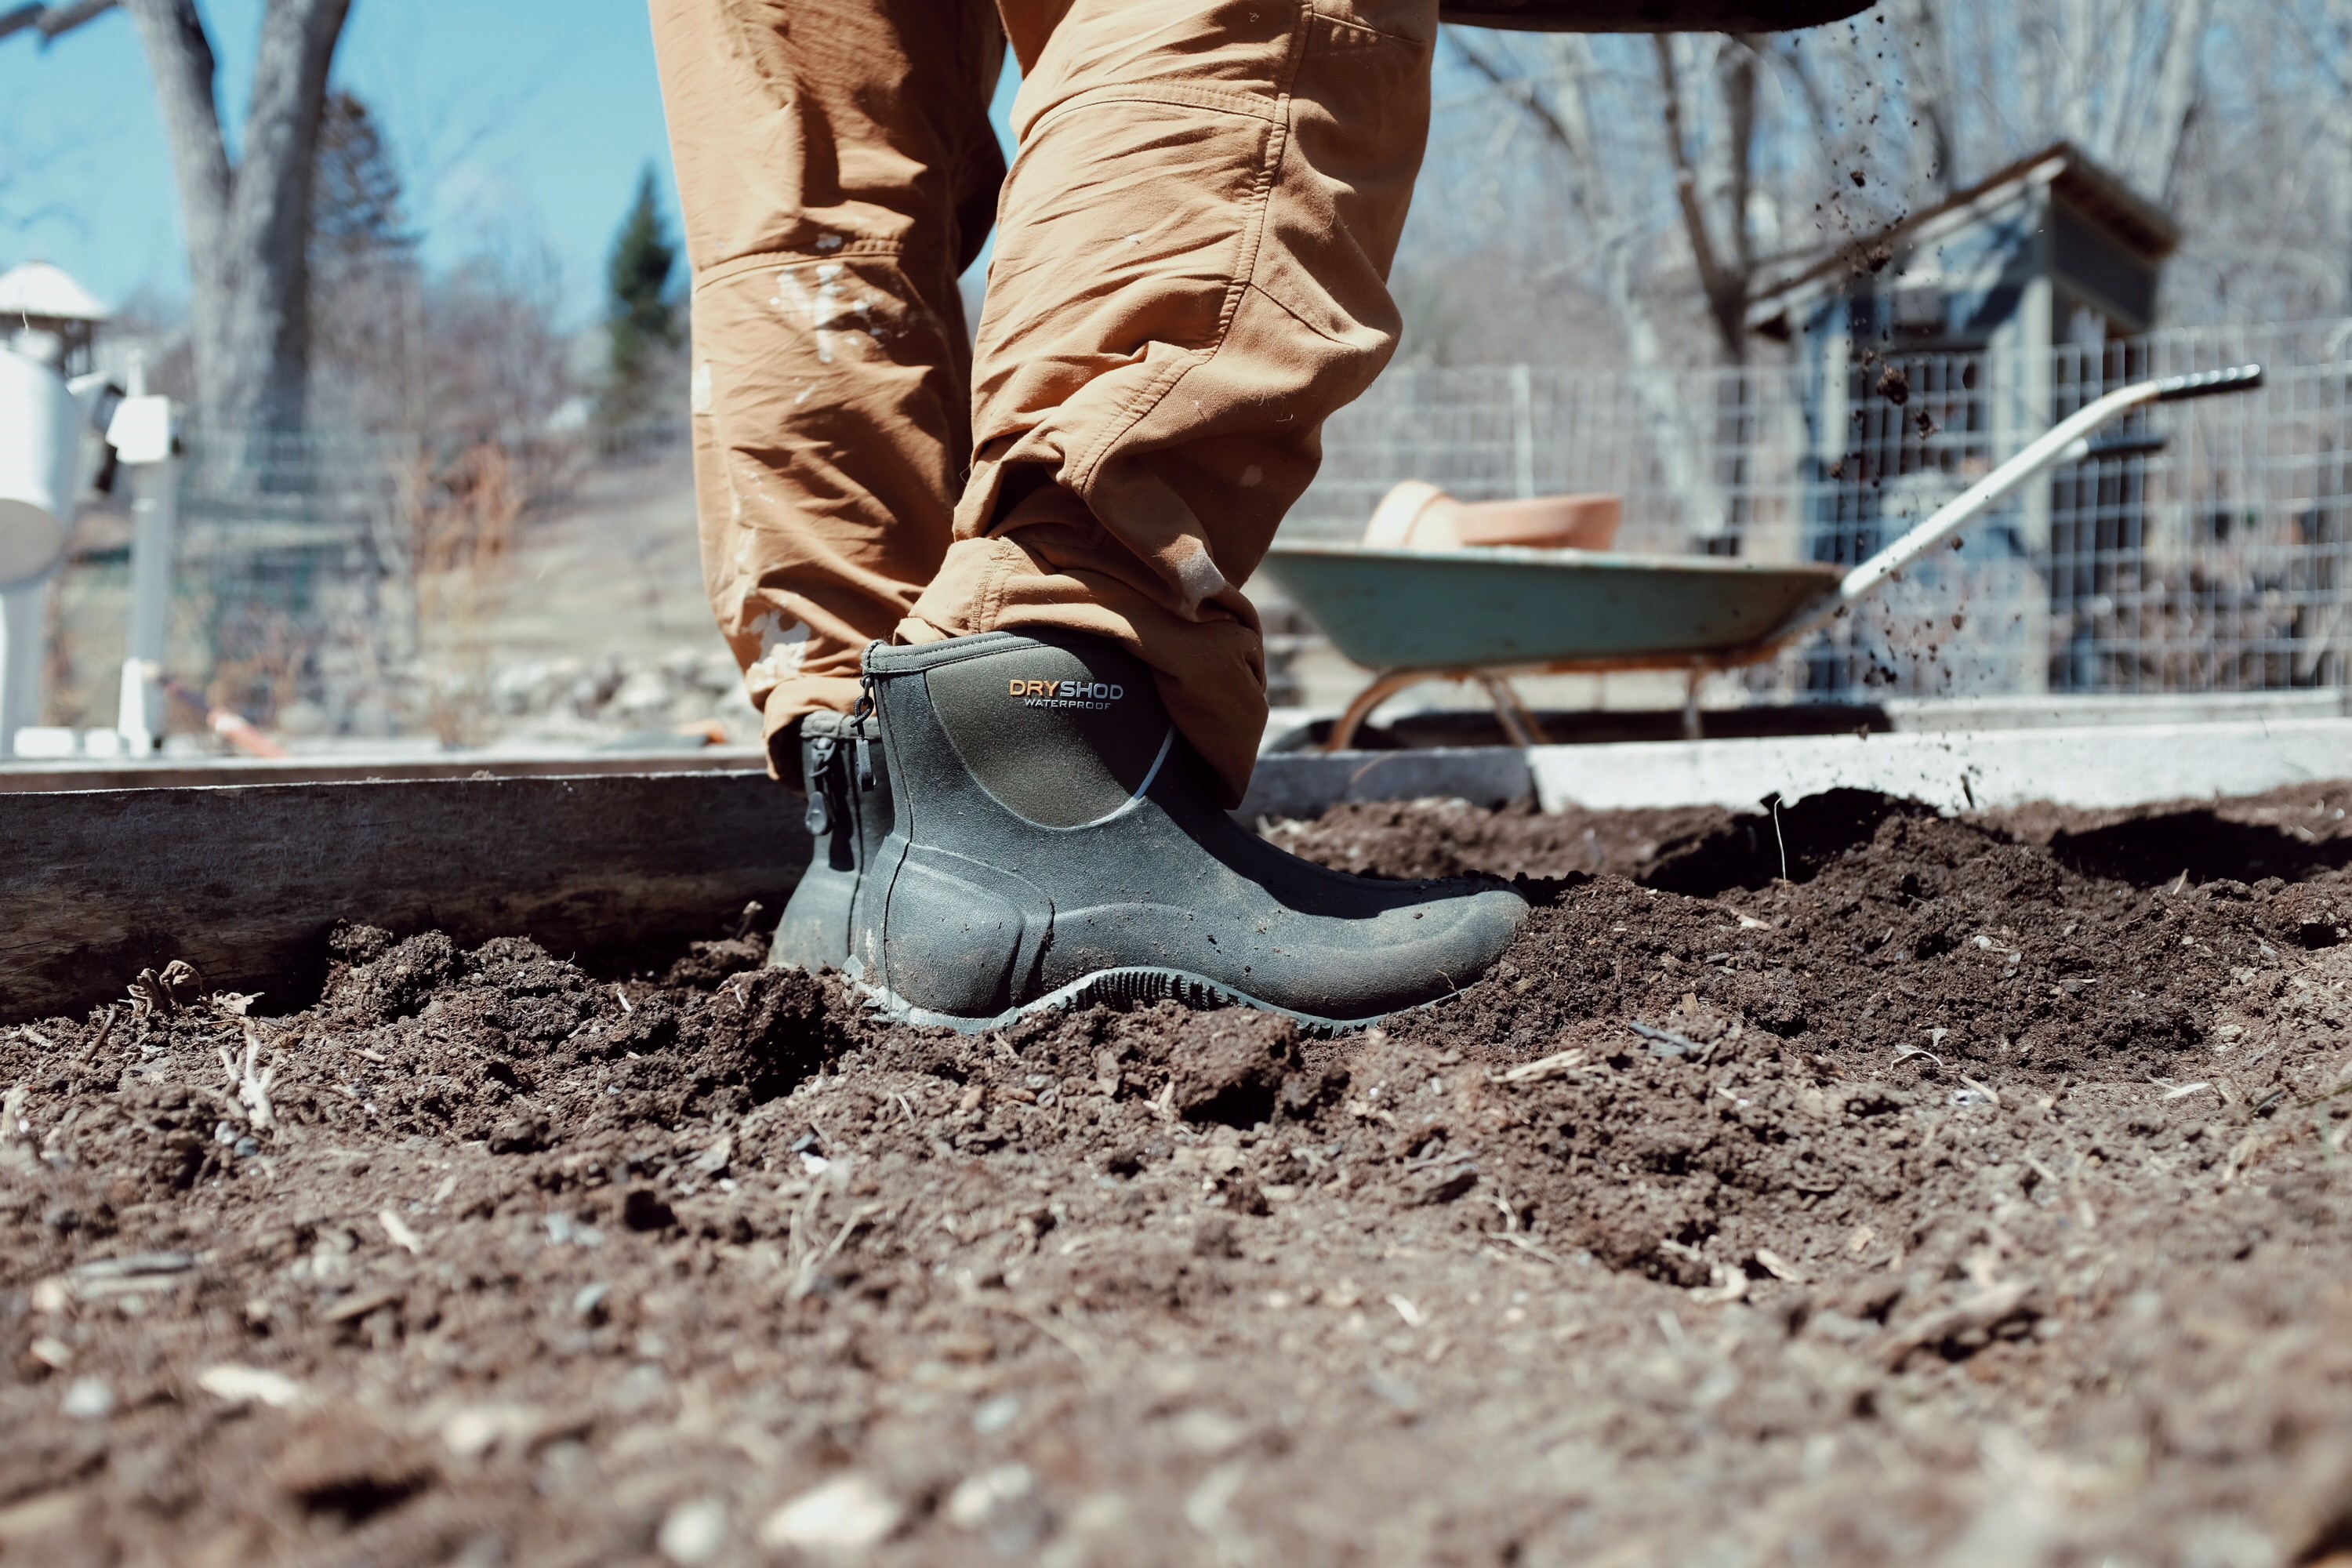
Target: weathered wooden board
column 166, row 773
column 245, row 881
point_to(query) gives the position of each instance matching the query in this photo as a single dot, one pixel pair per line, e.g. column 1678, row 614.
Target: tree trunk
column 1725, row 282
column 247, row 224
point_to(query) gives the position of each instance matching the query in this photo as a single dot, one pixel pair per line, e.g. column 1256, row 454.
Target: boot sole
column 1129, row 987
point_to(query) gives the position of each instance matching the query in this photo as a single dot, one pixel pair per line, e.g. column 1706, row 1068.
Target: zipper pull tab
column 859, row 720
column 817, row 764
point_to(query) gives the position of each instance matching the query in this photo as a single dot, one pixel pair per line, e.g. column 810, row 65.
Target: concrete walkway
column 2089, row 766
column 2106, row 765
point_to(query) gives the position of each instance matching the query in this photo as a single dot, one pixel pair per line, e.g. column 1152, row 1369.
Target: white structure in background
column 48, row 322
column 40, row 446
column 2051, row 253
column 39, row 299
column 144, row 439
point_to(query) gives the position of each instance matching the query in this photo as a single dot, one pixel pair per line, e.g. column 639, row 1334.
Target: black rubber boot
column 848, row 813
column 1054, row 842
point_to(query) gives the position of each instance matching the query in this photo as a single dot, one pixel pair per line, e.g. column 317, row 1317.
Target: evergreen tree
column 356, row 206
column 641, row 314
column 365, row 279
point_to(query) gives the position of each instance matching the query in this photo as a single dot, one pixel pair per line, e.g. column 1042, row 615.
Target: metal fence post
column 24, row 640
column 141, row 433
column 1523, row 433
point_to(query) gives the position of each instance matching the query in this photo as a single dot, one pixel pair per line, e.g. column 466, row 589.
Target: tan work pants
column 1191, row 275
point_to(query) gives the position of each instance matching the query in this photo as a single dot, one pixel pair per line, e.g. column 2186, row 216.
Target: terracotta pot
column 1419, row 516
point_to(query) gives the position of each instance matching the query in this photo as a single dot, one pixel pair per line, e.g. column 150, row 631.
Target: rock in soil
column 1972, row 1191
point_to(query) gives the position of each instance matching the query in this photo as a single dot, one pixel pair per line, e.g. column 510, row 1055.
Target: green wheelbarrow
column 1485, row 614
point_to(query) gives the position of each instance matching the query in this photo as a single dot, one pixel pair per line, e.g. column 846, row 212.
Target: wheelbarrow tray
column 1502, row 608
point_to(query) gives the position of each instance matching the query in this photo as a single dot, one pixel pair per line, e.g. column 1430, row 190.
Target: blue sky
column 521, row 126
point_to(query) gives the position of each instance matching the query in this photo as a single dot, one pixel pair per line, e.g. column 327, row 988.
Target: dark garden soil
column 1974, row 1193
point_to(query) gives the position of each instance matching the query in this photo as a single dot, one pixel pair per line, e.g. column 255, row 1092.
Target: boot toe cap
column 1411, row 955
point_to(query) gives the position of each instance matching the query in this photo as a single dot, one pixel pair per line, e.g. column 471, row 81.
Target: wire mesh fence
column 2202, row 546
column 333, row 584
column 330, row 584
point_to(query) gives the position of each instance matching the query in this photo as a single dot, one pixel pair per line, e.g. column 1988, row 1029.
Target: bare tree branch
column 2109, row 124
column 1565, row 123
column 1725, row 286
column 1571, row 138
column 2238, row 117
column 1927, row 66
column 58, row 20
column 52, row 21
column 2077, row 44
column 2157, row 156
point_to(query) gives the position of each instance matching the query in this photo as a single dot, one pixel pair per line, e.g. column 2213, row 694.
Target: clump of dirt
column 1970, row 1190
column 1864, row 928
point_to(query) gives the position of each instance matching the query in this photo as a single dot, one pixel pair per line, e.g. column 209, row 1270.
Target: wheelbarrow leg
column 1382, row 688
column 1693, row 728
column 1518, row 722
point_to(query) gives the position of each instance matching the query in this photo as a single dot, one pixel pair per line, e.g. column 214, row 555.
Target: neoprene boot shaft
column 1052, row 840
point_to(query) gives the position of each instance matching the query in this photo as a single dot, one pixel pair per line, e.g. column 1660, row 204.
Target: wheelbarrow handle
column 2054, row 446
column 2205, row 382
